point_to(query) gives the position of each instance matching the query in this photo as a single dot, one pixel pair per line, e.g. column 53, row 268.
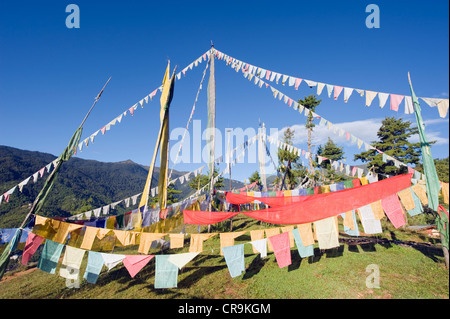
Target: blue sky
column 49, row 74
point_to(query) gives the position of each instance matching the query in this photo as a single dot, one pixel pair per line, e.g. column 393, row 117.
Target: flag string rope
column 370, row 95
column 301, row 107
column 6, row 196
column 190, row 117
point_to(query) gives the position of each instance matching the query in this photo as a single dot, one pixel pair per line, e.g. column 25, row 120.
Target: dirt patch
column 18, row 274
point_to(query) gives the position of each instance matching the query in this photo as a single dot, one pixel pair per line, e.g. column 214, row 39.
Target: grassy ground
column 411, row 270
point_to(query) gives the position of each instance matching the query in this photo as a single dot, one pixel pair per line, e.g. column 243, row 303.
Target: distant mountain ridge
column 81, row 185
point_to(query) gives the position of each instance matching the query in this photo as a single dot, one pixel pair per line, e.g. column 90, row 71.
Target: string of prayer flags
column 133, row 108
column 395, row 101
column 39, row 174
column 354, row 139
column 251, row 71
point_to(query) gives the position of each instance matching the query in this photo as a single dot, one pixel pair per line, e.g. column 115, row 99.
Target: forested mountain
column 81, row 185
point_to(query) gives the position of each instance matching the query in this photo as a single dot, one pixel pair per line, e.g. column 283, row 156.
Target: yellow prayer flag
column 378, row 211
column 407, row 199
column 364, row 180
column 348, row 220
column 306, row 234
column 176, row 241
column 445, row 192
column 146, row 241
column 197, row 242
column 227, row 239
column 421, row 193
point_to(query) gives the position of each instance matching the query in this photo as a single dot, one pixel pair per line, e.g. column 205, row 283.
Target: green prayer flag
column 10, row 247
column 432, row 180
column 65, row 156
column 442, row 226
column 348, row 184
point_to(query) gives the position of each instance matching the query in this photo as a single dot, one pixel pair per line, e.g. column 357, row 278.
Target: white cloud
column 431, row 136
column 435, row 121
column 366, row 130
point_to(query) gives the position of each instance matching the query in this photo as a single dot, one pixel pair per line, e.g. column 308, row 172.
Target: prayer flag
column 281, row 249
column 234, row 257
column 134, row 263
column 432, row 180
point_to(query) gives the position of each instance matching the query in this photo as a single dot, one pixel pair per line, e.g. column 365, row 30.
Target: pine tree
column 171, row 199
column 335, row 153
column 289, row 167
column 255, row 178
column 199, row 181
column 310, row 102
column 393, row 140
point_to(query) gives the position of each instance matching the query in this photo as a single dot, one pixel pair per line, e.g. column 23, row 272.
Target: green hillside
column 81, row 185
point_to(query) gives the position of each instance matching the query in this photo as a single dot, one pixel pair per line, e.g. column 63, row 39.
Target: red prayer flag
column 282, row 249
column 134, row 263
column 393, row 209
column 31, row 245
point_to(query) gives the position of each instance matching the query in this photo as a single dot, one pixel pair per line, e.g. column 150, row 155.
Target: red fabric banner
column 315, row 207
column 205, row 218
column 240, row 199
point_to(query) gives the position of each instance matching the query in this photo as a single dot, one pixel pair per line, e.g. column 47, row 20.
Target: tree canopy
column 335, row 153
column 289, row 167
column 394, row 135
